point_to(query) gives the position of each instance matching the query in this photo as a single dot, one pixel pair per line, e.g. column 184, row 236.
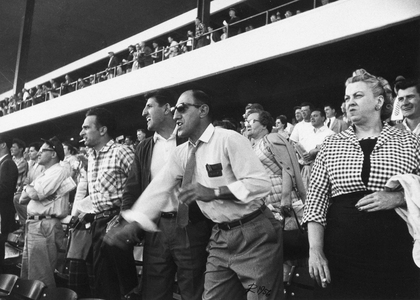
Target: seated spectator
column 249, row 28
column 158, row 52
column 172, row 49
column 19, row 101
column 298, row 12
column 278, row 16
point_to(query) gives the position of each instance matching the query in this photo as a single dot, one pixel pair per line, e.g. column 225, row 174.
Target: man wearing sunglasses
column 172, row 249
column 48, row 203
column 228, row 184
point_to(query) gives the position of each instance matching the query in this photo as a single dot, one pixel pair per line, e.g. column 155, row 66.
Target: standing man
column 408, row 94
column 8, row 180
column 35, row 169
column 172, row 249
column 311, row 143
column 245, row 245
column 48, row 197
column 17, row 149
column 233, row 29
column 141, row 136
column 200, row 29
column 331, row 121
column 303, row 128
column 108, row 168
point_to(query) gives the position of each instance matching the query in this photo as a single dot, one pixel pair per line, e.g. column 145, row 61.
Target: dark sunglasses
column 182, row 107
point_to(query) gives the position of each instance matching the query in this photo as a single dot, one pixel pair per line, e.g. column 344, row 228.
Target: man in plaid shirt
column 108, row 168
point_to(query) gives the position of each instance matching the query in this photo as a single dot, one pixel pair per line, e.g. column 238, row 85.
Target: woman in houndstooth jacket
column 359, row 247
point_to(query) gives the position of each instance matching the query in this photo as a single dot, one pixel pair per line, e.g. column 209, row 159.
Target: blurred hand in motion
column 124, row 235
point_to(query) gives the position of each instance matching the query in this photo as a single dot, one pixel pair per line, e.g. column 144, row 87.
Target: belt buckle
column 228, row 226
column 36, row 218
column 106, row 213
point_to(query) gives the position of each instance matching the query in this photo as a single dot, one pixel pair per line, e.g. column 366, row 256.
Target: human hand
column 318, row 267
column 125, row 235
column 380, row 201
column 196, row 191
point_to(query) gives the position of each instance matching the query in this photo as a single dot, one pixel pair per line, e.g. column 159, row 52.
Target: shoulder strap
column 286, row 158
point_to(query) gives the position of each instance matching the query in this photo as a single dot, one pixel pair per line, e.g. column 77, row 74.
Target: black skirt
column 369, row 254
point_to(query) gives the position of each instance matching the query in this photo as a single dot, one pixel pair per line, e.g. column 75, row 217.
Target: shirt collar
column 206, row 135
column 157, row 136
column 320, row 129
column 404, row 122
column 105, row 148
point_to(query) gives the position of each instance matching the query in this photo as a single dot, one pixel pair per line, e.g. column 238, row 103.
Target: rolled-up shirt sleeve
column 317, row 201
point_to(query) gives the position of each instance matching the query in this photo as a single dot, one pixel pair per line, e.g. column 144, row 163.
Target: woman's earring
column 377, row 107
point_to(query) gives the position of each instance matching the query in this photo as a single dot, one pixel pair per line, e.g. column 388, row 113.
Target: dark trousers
column 3, row 239
column 175, row 250
column 111, row 282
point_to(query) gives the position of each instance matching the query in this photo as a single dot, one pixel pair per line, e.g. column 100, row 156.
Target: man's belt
column 246, row 219
column 40, row 217
column 107, row 213
column 168, row 215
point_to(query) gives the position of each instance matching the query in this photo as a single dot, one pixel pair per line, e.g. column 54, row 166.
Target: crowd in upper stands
column 137, row 56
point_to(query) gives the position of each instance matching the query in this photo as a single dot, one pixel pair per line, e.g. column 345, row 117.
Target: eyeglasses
column 250, row 122
column 46, row 150
column 182, row 107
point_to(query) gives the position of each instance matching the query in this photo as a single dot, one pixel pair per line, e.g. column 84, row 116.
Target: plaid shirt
column 338, row 167
column 107, row 174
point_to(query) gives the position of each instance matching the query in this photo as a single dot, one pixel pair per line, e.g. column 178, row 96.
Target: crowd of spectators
column 137, row 56
column 328, row 168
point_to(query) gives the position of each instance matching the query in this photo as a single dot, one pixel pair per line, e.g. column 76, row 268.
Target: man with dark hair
column 408, row 95
column 233, row 28
column 48, row 203
column 108, row 168
column 141, row 135
column 230, row 193
column 298, row 114
column 172, row 249
column 311, row 143
column 17, row 149
column 331, row 121
column 8, row 180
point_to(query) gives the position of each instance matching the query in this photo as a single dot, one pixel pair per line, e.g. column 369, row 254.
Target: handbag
column 295, row 237
column 295, row 241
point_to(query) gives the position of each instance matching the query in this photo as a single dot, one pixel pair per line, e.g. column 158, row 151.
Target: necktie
column 329, row 123
column 183, row 209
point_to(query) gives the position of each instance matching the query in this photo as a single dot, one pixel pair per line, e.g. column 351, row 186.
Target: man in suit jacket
column 8, row 181
column 172, row 249
column 331, row 121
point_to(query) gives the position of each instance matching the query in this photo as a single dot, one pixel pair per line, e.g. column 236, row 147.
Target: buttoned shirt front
column 301, row 130
column 338, row 167
column 47, row 186
column 224, row 158
column 108, row 170
column 415, row 131
column 162, row 149
column 315, row 137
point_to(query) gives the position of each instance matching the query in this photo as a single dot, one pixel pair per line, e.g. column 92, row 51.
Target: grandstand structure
column 306, row 57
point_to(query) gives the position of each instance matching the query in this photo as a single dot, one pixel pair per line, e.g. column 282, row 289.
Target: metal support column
column 203, row 11
column 23, row 48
